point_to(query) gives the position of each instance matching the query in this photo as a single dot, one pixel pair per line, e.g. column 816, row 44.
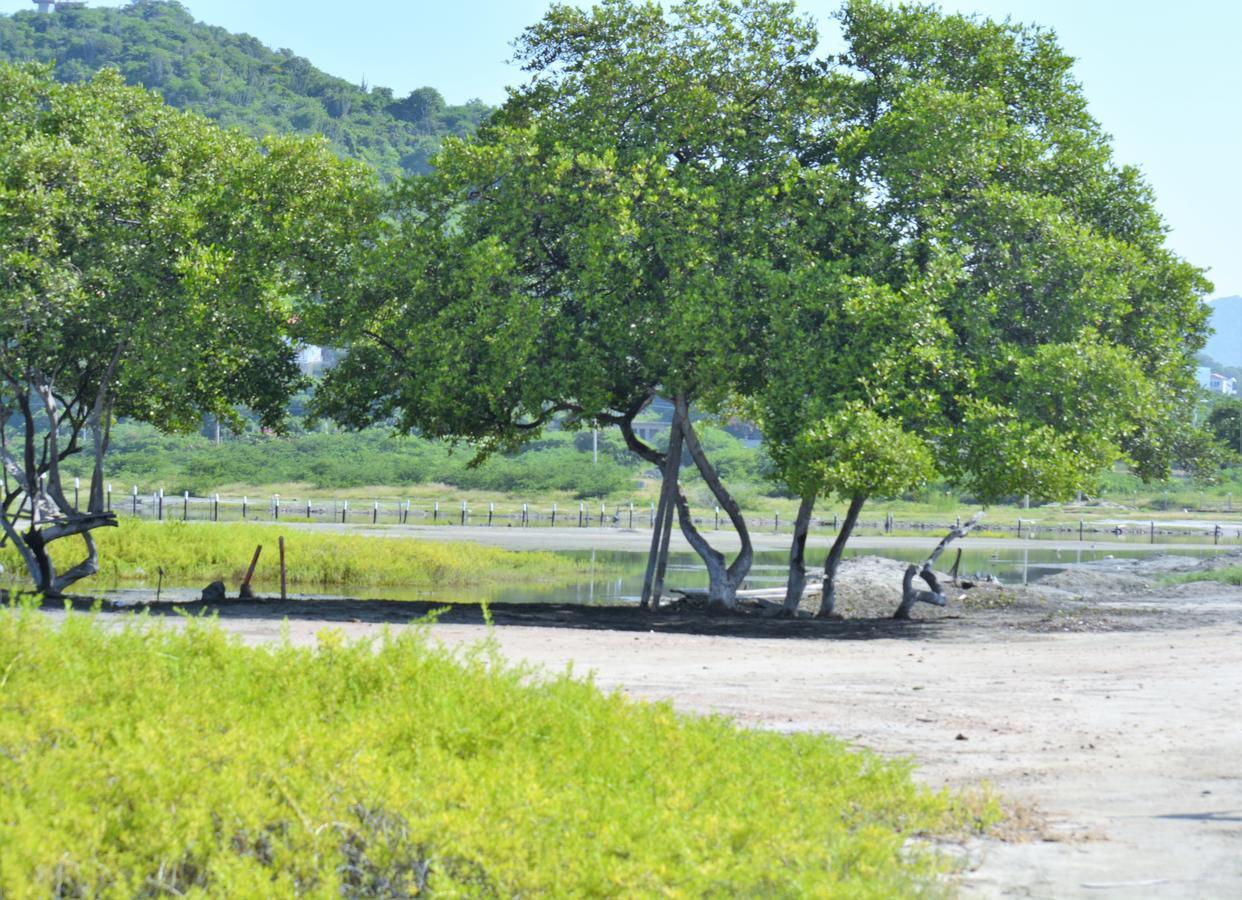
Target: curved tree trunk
column 723, row 580
column 52, row 516
column 827, row 604
column 797, row 556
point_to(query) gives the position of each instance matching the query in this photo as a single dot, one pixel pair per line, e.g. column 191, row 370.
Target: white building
column 1216, row 382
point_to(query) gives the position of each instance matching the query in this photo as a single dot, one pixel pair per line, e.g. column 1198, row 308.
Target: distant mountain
column 1225, row 346
column 237, row 81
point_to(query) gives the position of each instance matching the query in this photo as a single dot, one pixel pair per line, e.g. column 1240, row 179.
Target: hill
column 238, row 81
column 1225, row 346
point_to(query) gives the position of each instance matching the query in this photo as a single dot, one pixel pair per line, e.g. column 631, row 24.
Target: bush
column 199, row 553
column 151, row 760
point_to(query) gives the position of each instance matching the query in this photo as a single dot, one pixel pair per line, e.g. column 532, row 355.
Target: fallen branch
column 934, row 596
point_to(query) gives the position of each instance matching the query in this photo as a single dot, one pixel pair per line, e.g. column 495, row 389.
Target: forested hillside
column 237, row 81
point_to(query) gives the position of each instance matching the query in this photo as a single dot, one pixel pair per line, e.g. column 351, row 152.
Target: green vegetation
column 149, row 258
column 236, row 81
column 928, row 227
column 558, row 462
column 196, row 553
column 164, row 760
column 1225, row 575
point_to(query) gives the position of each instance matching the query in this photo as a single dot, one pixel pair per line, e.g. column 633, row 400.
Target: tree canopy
column 148, row 262
column 917, row 253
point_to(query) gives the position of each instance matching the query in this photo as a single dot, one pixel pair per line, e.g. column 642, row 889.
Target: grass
column 201, row 552
column 148, row 760
column 1225, row 575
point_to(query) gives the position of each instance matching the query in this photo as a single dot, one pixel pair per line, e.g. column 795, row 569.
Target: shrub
column 146, row 759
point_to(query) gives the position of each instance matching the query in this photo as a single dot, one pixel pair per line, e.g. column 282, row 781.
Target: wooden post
column 553, row 515
column 245, row 593
column 776, row 525
column 108, row 506
column 717, row 524
column 159, row 502
column 491, row 511
column 374, row 512
column 435, row 513
column 308, row 507
column 463, row 512
column 631, row 514
column 135, row 500
column 77, row 482
column 185, row 506
column 215, row 507
column 344, row 511
column 245, row 503
column 1080, row 529
column 281, row 542
column 1153, row 533
column 276, row 507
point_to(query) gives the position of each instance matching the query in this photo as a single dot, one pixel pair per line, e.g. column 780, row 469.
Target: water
column 620, row 573
column 616, row 576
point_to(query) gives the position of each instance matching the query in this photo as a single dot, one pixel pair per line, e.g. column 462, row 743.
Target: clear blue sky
column 1163, row 78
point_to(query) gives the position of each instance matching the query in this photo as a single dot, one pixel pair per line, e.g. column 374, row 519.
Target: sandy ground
column 1107, row 713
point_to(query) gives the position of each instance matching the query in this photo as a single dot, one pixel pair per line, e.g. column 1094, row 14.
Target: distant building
column 1216, row 382
column 47, row 6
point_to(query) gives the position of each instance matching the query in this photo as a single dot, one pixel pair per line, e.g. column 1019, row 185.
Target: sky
column 1163, row 78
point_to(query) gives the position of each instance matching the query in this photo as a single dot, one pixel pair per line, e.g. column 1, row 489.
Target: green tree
column 1047, row 329
column 614, row 230
column 149, row 261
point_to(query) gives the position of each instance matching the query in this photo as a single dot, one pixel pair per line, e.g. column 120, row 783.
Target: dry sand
column 1107, row 714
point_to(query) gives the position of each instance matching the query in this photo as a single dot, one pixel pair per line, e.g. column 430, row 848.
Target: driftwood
column 935, row 596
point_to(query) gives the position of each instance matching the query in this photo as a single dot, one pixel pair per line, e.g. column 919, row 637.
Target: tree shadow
column 673, row 619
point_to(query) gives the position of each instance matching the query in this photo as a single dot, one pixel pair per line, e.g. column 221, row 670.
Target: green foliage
column 236, row 81
column 162, row 760
column 853, row 452
column 1224, row 421
column 145, row 238
column 198, row 553
column 331, row 460
column 1225, row 575
column 598, row 240
column 1064, row 322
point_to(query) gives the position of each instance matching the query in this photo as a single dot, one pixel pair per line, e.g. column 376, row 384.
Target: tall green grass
column 149, row 760
column 203, row 552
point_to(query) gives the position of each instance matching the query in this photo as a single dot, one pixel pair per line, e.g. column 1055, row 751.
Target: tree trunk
column 934, row 596
column 723, row 580
column 827, row 603
column 661, row 529
column 797, row 556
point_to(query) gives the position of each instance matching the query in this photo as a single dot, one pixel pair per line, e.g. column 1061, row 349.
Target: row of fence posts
column 524, row 517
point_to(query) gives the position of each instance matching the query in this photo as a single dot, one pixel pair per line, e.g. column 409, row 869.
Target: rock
column 213, row 593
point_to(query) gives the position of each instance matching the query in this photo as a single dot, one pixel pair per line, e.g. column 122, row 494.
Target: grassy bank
column 1225, row 575
column 193, row 553
column 152, row 760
